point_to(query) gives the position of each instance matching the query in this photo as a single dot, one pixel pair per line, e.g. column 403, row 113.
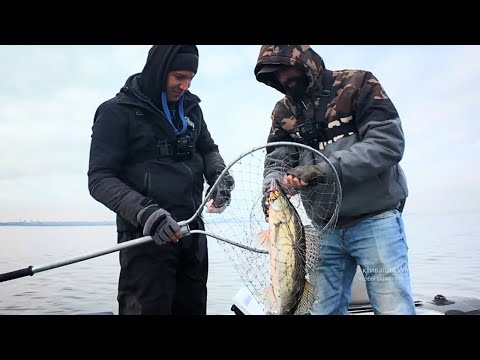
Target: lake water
column 444, row 259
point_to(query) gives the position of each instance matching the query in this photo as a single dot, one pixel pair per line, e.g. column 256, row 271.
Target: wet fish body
column 285, row 241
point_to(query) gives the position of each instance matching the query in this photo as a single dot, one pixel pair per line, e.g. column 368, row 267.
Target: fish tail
column 306, row 300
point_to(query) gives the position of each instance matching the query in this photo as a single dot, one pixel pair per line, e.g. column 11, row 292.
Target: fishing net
column 275, row 268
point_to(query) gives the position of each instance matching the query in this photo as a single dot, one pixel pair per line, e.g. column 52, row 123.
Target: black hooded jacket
column 125, row 169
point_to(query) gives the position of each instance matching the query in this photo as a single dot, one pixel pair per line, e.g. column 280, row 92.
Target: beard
column 297, row 92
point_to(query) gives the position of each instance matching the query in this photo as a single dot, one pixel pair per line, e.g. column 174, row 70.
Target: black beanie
column 186, row 59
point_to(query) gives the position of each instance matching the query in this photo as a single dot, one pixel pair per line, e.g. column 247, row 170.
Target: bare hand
column 292, row 180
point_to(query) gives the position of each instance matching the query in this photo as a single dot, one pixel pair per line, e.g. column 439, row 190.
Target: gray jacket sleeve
column 280, row 159
column 379, row 143
column 277, row 162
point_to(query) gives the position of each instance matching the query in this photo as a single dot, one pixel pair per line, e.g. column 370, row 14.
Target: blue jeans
column 378, row 245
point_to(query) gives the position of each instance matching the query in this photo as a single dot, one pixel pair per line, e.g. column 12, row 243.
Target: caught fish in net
column 278, row 226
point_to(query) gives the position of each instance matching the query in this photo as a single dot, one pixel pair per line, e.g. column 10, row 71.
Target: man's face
column 293, row 80
column 178, row 82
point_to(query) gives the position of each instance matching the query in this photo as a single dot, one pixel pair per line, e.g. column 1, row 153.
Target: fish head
column 277, row 198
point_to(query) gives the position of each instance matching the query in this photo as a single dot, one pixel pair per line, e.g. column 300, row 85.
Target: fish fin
column 306, row 300
column 267, row 298
column 263, row 239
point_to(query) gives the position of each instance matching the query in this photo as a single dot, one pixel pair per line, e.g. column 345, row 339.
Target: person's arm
column 108, row 150
column 213, row 165
column 379, row 128
column 279, row 160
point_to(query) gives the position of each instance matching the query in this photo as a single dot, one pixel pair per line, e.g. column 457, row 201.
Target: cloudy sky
column 49, row 94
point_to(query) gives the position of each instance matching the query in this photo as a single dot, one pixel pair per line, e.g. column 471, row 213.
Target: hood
column 302, row 56
column 153, row 78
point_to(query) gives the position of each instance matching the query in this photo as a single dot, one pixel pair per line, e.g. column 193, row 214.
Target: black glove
column 313, row 175
column 159, row 224
column 222, row 193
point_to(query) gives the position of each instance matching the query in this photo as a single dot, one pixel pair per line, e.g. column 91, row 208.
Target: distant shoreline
column 58, row 223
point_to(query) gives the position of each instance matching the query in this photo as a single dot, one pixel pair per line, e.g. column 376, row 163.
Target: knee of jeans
column 397, row 301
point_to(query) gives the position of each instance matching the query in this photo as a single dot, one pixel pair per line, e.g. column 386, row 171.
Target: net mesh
column 277, row 256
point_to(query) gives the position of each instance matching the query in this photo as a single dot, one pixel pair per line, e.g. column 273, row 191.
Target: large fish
column 289, row 292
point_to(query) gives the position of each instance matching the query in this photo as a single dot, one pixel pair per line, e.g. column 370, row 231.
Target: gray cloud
column 48, row 96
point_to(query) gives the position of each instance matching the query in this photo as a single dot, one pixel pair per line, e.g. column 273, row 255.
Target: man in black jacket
column 149, row 154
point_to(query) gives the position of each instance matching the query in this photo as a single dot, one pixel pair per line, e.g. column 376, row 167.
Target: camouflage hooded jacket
column 366, row 159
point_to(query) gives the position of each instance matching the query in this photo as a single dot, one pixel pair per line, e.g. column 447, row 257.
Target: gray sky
column 49, row 94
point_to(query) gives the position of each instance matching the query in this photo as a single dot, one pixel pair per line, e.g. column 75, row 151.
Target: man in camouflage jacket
column 360, row 132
